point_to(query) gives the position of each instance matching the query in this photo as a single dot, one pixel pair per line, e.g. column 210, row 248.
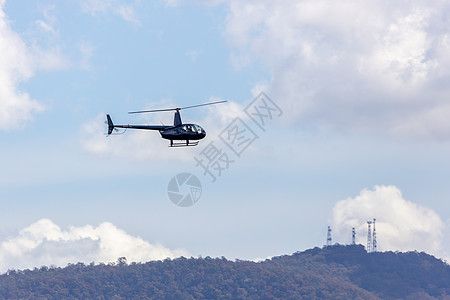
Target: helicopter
column 179, row 131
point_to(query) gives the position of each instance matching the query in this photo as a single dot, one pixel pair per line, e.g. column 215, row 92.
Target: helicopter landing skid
column 183, row 144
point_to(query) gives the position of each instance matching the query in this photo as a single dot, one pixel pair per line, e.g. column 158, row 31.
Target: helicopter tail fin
column 110, row 124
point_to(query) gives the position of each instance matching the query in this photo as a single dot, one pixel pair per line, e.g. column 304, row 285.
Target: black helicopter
column 176, row 132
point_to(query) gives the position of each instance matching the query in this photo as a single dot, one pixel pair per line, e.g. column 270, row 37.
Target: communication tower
column 369, row 237
column 374, row 238
column 353, row 236
column 329, row 236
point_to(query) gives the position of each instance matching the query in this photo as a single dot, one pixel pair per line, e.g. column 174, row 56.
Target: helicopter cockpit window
column 184, row 128
column 198, row 129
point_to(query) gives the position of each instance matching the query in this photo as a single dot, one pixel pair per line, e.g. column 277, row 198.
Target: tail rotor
column 110, row 124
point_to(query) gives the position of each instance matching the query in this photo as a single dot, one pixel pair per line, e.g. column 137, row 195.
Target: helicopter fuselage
column 183, row 132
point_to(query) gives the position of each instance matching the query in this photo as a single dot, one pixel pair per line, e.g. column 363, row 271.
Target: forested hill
column 337, row 272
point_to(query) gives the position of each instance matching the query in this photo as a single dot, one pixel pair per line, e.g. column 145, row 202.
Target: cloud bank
column 368, row 65
column 401, row 224
column 44, row 243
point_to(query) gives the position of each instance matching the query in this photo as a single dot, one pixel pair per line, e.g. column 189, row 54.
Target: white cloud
column 45, row 26
column 44, row 243
column 87, row 51
column 400, row 224
column 175, row 3
column 16, row 65
column 49, row 59
column 48, row 23
column 125, row 11
column 172, row 3
column 352, row 65
column 193, row 54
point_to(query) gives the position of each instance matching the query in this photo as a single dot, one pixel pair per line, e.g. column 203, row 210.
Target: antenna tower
column 374, row 238
column 329, row 236
column 353, row 236
column 369, row 237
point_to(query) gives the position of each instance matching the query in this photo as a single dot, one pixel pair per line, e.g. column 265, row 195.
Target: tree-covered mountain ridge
column 336, row 272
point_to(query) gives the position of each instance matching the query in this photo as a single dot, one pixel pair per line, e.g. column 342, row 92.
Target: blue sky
column 364, row 131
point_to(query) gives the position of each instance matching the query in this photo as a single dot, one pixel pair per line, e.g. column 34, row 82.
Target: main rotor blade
column 204, row 104
column 152, row 110
column 178, row 108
